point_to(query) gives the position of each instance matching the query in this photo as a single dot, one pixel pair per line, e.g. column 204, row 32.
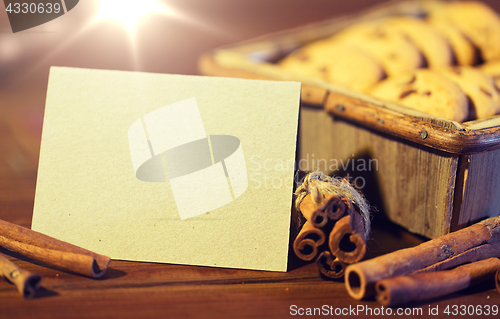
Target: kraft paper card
column 169, row 168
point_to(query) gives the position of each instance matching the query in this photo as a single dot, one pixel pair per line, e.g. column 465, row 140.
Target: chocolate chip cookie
column 464, row 51
column 337, row 63
column 429, row 41
column 477, row 21
column 479, row 87
column 390, row 47
column 427, row 91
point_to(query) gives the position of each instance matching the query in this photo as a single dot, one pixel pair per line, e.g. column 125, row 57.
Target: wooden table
column 148, row 290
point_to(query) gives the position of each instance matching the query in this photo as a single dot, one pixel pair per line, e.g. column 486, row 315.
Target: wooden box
column 427, row 174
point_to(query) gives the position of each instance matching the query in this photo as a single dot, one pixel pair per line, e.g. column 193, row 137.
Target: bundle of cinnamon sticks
column 334, row 232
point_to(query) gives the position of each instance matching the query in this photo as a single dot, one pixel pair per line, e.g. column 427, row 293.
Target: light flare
column 130, row 12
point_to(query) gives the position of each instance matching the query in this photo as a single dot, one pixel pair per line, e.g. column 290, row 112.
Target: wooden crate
column 428, row 174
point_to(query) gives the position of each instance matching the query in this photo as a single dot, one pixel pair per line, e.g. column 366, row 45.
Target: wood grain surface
column 149, row 290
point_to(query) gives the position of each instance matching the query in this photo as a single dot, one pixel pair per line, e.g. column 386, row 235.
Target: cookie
column 431, row 5
column 435, row 48
column 464, row 51
column 427, row 91
column 337, row 63
column 391, row 48
column 480, row 88
column 492, row 68
column 477, row 21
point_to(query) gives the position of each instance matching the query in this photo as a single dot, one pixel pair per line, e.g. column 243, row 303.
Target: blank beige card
column 169, row 168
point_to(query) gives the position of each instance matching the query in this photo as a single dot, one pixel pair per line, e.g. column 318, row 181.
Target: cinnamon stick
column 52, row 251
column 329, row 266
column 26, row 282
column 307, row 241
column 331, row 208
column 361, row 277
column 308, row 209
column 398, row 290
column 472, row 255
column 338, row 267
column 347, row 240
column 497, row 280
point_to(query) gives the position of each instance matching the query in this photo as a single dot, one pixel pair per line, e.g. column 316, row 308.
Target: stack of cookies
column 447, row 64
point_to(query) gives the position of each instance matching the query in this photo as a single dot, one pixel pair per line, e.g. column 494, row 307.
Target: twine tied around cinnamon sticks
column 337, row 223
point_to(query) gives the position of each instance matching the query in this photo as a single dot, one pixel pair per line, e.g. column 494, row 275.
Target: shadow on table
column 113, row 273
column 43, row 292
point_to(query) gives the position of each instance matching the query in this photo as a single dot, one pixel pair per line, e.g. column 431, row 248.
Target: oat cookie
column 479, row 87
column 431, row 5
column 337, row 63
column 427, row 91
column 477, row 21
column 394, row 51
column 493, row 69
column 429, row 41
column 463, row 49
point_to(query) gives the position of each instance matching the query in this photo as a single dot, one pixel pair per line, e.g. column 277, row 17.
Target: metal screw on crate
column 424, row 134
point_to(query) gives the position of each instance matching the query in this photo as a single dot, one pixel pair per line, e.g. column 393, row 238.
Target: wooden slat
column 428, row 134
column 313, row 95
column 480, row 187
column 208, row 66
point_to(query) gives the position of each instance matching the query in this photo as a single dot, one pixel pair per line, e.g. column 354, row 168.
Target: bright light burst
column 129, row 12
